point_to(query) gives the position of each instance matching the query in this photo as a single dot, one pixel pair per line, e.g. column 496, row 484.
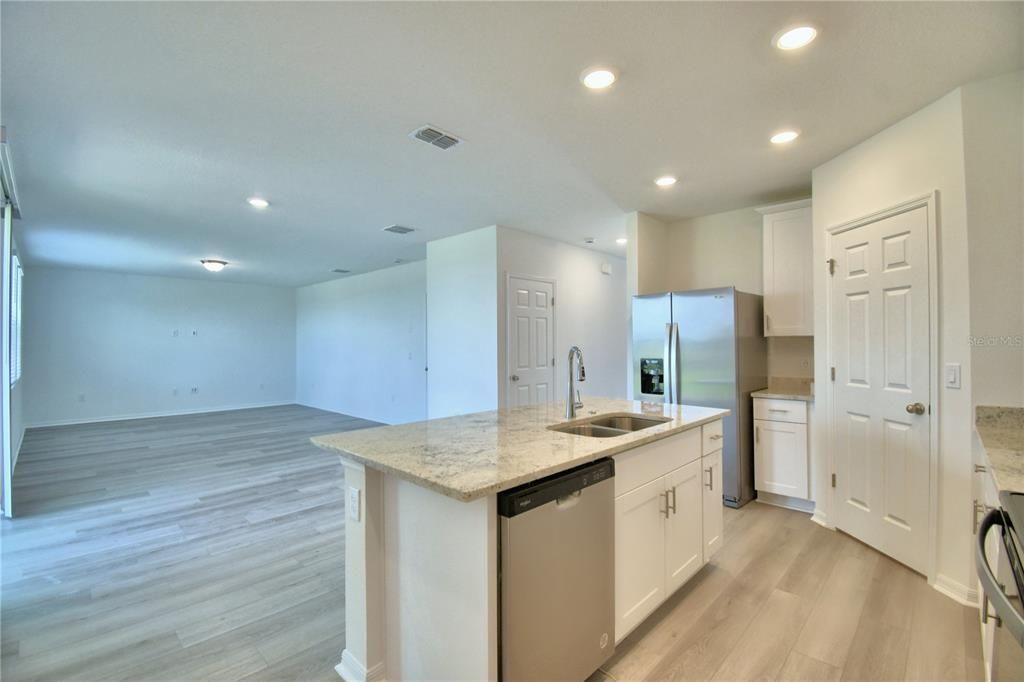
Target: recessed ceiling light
column 794, row 38
column 258, row 202
column 784, row 136
column 213, row 265
column 665, row 181
column 598, row 77
column 621, row 241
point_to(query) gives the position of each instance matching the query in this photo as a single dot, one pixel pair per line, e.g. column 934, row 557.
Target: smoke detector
column 435, row 136
column 398, row 229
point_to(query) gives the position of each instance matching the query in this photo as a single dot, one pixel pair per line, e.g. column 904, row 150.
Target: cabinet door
column 780, row 458
column 713, row 518
column 683, row 542
column 639, row 554
column 788, row 302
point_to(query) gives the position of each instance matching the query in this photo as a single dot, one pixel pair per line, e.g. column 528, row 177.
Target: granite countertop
column 787, row 388
column 474, row 455
column 1001, row 430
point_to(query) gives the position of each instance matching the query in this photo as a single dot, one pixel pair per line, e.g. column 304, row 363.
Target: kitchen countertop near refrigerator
column 1001, row 430
column 787, row 388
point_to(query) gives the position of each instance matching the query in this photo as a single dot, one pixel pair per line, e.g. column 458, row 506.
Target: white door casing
column 531, row 338
column 882, row 346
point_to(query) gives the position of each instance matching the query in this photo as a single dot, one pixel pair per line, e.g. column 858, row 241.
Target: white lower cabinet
column 668, row 522
column 639, row 554
column 712, row 518
column 684, row 553
column 781, row 464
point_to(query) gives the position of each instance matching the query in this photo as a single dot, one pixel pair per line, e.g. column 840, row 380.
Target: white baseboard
column 150, row 415
column 352, row 670
column 794, row 503
column 821, row 518
column 957, row 591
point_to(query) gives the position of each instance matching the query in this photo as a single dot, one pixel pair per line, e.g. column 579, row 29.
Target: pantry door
column 531, row 339
column 881, row 347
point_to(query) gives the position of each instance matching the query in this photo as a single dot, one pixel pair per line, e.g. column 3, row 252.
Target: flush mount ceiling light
column 794, row 38
column 258, row 202
column 665, row 181
column 213, row 265
column 784, row 136
column 598, row 77
column 621, row 241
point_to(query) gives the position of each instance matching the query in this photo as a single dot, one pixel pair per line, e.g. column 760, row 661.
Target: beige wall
column 992, row 111
column 791, row 356
column 719, row 250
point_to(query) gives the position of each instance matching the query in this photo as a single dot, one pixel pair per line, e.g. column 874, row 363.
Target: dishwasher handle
column 991, row 590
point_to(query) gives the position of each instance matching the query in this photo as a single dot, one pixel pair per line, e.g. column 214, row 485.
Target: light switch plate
column 952, row 375
column 354, row 504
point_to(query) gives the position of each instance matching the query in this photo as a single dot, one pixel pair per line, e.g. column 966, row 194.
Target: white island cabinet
column 422, row 527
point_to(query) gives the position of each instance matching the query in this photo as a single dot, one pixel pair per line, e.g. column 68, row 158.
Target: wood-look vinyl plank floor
column 211, row 547
column 197, row 547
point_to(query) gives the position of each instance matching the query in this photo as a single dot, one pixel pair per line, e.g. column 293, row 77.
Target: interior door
column 531, row 324
column 684, row 549
column 880, row 349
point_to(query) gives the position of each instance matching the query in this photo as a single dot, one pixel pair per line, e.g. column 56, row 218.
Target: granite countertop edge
column 1001, row 432
column 612, row 446
column 765, row 393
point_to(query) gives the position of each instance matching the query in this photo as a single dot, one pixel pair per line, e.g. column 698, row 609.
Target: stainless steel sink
column 609, row 425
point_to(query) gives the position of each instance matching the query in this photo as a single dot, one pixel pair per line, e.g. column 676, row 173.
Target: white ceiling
column 138, row 129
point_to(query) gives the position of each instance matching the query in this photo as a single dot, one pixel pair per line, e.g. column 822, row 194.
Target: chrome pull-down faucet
column 572, row 401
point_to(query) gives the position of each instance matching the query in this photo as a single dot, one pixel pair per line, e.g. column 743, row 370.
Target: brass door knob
column 915, row 408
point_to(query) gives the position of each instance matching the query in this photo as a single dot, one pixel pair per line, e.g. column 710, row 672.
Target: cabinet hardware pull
column 980, row 509
column 717, row 436
column 673, row 499
column 711, row 479
column 757, row 434
column 980, row 468
column 777, row 409
column 986, row 616
column 665, row 510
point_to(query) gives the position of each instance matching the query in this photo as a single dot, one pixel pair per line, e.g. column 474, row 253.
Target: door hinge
column 552, row 362
column 833, row 480
column 831, row 262
column 832, row 373
column 552, row 301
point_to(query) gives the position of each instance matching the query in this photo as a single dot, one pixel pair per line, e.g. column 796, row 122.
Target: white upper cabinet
column 788, row 296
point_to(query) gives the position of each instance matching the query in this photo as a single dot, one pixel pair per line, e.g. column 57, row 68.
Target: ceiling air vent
column 398, row 229
column 436, row 137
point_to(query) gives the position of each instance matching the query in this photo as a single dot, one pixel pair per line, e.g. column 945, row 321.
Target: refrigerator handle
column 672, row 371
column 668, row 363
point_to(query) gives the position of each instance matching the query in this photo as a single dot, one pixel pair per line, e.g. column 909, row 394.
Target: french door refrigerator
column 706, row 348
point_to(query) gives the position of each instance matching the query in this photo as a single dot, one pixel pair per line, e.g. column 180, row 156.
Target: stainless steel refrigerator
column 705, row 348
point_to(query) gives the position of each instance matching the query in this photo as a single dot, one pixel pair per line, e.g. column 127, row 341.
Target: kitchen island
column 421, row 548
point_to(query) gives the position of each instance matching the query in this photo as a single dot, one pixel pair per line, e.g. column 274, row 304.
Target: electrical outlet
column 195, row 389
column 195, row 332
column 174, row 333
column 353, row 504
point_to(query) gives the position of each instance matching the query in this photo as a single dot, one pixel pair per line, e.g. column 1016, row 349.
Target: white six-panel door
column 531, row 371
column 880, row 348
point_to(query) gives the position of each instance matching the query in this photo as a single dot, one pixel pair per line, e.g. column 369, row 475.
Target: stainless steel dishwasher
column 557, row 575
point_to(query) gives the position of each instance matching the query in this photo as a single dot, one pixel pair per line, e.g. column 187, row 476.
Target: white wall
column 462, row 323
column 361, row 345
column 719, row 250
column 591, row 309
column 922, row 153
column 101, row 345
column 993, row 151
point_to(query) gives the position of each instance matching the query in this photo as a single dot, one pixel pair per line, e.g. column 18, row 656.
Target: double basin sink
column 609, row 425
